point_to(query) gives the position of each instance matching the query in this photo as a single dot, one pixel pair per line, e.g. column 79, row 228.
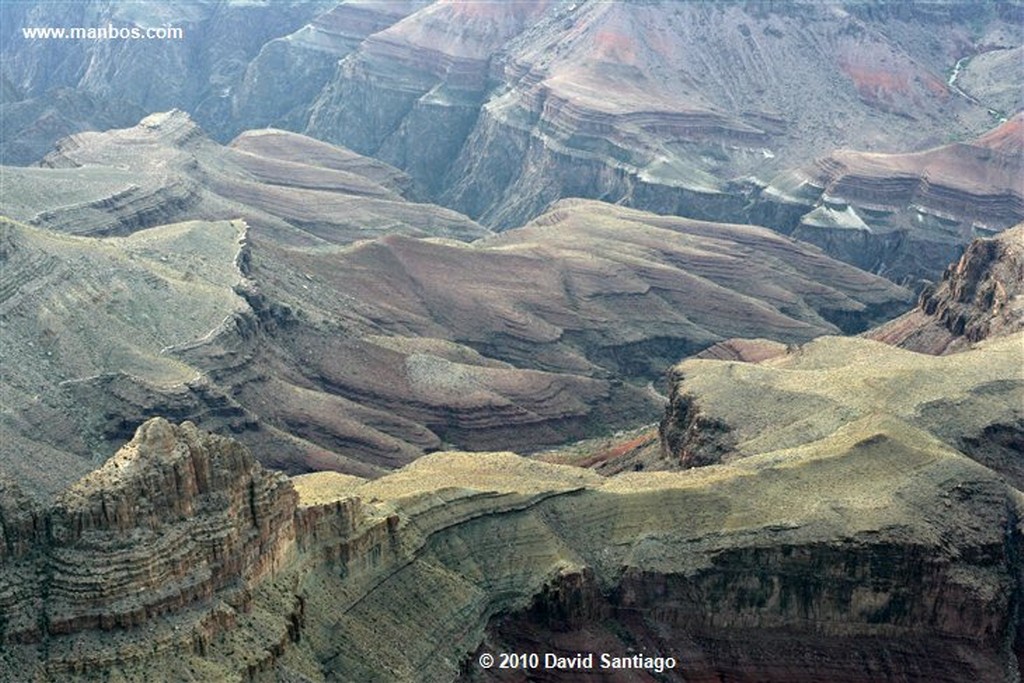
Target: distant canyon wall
column 500, row 109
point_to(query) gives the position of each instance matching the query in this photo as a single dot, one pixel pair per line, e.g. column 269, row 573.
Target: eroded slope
column 357, row 352
column 874, row 552
column 973, row 401
column 904, row 215
column 978, row 297
column 166, row 169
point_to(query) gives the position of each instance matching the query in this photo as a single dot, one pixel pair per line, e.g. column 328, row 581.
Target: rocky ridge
column 714, row 414
column 978, row 297
column 904, row 215
column 167, row 539
column 289, row 188
column 331, row 577
column 526, row 103
column 323, row 346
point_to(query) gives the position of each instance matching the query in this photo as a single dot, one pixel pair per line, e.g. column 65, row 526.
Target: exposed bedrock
column 878, row 553
column 150, row 553
column 903, row 215
column 323, row 345
column 979, row 296
column 522, row 173
column 521, row 104
column 289, row 72
column 288, row 187
column 723, row 410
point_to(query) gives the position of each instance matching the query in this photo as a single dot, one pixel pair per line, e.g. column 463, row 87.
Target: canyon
column 843, row 505
column 872, row 547
column 286, row 291
column 497, row 110
column 547, row 340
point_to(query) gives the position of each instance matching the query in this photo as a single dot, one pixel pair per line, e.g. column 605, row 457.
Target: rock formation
column 196, row 72
column 875, row 552
column 624, row 102
column 904, row 215
column 980, row 296
column 715, row 413
column 357, row 358
column 148, row 557
column 289, row 188
column 499, row 109
column 362, row 358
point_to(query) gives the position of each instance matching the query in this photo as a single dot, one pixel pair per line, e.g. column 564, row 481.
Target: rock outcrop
column 904, row 215
column 499, row 109
column 980, row 296
column 875, row 552
column 624, row 102
column 149, row 556
column 289, row 188
column 289, row 72
column 722, row 410
column 360, row 358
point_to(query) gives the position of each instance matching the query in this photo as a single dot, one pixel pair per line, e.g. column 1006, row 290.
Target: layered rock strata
column 362, row 357
column 289, row 188
column 875, row 552
column 723, row 410
column 904, row 215
column 623, row 102
column 498, row 109
column 150, row 555
column 980, row 296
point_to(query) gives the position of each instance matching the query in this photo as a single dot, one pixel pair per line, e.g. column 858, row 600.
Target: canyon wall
column 876, row 552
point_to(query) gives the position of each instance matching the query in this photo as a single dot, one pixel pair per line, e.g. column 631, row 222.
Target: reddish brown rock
column 980, row 296
column 906, row 215
column 173, row 533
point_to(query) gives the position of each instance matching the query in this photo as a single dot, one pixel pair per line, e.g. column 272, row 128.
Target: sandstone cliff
column 148, row 557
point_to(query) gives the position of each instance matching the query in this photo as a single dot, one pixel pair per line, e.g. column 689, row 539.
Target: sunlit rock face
column 874, row 550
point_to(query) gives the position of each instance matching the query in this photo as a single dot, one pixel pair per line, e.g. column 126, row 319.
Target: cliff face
column 499, row 109
column 904, row 215
column 980, row 296
column 876, row 552
column 150, row 554
column 289, row 72
column 533, row 102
